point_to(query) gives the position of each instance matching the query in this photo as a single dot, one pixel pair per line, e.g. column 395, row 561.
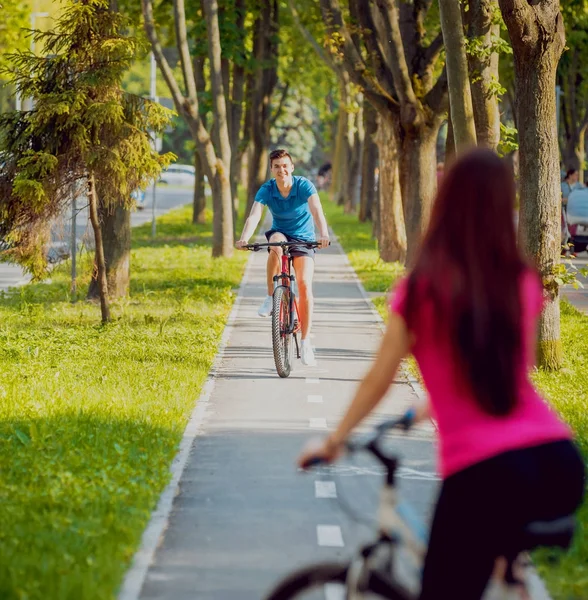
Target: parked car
column 178, row 175
column 577, row 219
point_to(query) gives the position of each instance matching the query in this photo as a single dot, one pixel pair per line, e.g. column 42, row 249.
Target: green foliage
column 83, row 124
column 508, row 140
column 566, row 273
column 477, row 46
column 294, row 128
column 91, row 417
column 14, row 17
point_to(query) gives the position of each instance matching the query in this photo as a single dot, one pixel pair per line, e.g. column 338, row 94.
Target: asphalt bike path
column 241, row 515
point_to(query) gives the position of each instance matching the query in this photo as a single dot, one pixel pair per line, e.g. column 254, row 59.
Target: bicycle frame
column 285, row 279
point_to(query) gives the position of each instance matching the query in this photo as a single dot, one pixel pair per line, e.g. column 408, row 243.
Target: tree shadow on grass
column 77, row 491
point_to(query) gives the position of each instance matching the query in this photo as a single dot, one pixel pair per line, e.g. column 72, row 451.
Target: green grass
column 566, row 576
column 91, row 416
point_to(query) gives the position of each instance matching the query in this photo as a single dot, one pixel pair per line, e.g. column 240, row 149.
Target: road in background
column 167, row 198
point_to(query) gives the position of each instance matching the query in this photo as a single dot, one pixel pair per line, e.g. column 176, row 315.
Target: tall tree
column 537, row 36
column 387, row 51
column 460, row 95
column 213, row 145
column 115, row 225
column 484, row 42
column 572, row 76
column 262, row 81
column 343, row 179
column 368, row 163
column 83, row 129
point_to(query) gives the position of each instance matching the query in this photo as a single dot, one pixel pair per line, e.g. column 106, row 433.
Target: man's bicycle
column 286, row 322
column 376, row 572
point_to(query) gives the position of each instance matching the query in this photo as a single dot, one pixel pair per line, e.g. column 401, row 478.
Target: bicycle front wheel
column 281, row 338
column 320, row 582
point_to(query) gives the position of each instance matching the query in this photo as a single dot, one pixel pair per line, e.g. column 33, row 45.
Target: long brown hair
column 469, row 266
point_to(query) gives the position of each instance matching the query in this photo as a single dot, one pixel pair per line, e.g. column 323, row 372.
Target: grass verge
column 91, row 416
column 565, row 575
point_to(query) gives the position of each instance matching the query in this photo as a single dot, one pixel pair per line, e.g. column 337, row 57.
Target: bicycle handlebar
column 371, row 443
column 256, row 247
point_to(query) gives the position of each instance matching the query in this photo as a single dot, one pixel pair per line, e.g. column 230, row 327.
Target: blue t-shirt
column 291, row 215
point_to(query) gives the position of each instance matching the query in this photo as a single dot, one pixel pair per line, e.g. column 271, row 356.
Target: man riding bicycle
column 296, row 208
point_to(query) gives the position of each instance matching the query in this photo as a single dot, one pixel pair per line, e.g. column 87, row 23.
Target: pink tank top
column 467, row 434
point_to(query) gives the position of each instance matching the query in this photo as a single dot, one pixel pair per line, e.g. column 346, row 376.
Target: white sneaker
column 265, row 310
column 307, row 354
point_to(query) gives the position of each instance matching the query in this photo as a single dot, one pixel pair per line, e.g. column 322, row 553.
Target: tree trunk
column 100, row 261
column 418, row 168
column 354, row 167
column 223, row 235
column 391, row 229
column 236, row 112
column 199, row 201
column 538, row 38
column 223, row 205
column 236, row 117
column 482, row 26
column 449, row 144
column 574, row 151
column 265, row 51
column 341, row 154
column 460, row 97
column 115, row 224
column 368, row 163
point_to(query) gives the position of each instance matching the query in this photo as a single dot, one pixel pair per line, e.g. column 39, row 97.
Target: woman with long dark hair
column 468, row 312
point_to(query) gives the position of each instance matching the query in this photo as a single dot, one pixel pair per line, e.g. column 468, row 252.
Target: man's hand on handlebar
column 240, row 245
column 323, row 241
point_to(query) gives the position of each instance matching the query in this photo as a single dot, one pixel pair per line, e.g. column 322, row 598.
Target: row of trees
column 392, row 52
column 391, row 73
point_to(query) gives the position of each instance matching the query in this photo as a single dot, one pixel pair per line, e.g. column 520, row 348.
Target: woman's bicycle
column 390, row 566
column 286, row 322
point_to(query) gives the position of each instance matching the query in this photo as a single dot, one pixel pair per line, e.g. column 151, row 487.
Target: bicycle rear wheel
column 320, row 582
column 327, row 581
column 281, row 339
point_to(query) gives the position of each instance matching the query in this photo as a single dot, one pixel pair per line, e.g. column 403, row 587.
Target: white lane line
column 329, row 535
column 313, row 380
column 317, row 423
column 325, row 489
column 334, row 591
column 315, row 398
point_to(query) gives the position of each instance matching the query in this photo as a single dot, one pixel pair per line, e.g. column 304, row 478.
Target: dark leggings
column 482, row 509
